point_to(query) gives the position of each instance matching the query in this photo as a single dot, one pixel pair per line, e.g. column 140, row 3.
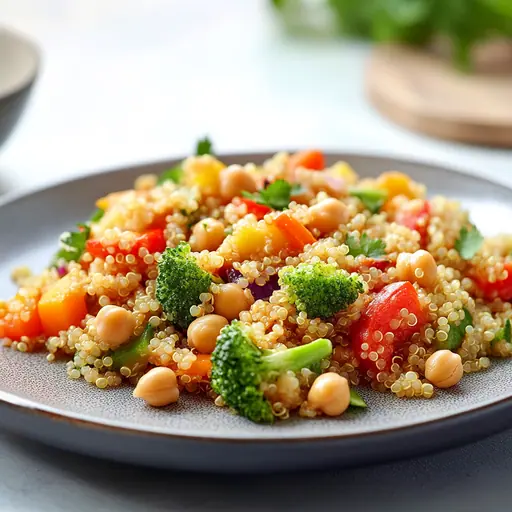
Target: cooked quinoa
column 411, row 296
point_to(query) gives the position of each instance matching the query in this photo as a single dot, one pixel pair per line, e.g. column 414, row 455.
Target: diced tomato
column 382, row 316
column 153, row 241
column 501, row 289
column 297, row 235
column 309, row 159
column 415, row 215
column 259, row 210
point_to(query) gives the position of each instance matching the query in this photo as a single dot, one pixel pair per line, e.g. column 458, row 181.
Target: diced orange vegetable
column 20, row 318
column 310, row 159
column 62, row 306
column 201, row 367
column 296, row 233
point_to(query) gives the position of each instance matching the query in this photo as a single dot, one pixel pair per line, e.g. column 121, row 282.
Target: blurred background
column 123, row 82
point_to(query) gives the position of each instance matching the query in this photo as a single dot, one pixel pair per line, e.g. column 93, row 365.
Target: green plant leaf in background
column 464, row 23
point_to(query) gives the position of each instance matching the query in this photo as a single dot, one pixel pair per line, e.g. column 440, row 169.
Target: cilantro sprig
column 372, row 199
column 277, row 195
column 204, row 147
column 457, row 332
column 469, row 242
column 72, row 245
column 371, row 247
column 173, row 174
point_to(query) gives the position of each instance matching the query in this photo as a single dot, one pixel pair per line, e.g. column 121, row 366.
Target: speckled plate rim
column 9, row 401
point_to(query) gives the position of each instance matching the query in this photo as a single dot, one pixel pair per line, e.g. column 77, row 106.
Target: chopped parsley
column 371, row 247
column 457, row 332
column 372, row 199
column 277, row 195
column 72, row 243
column 173, row 174
column 204, row 147
column 469, row 242
column 505, row 333
column 356, row 400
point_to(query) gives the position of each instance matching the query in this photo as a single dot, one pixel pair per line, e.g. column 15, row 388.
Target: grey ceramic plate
column 38, row 400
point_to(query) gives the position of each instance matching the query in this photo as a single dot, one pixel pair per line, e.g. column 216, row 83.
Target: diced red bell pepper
column 416, row 218
column 153, row 241
column 259, row 210
column 382, row 316
column 501, row 288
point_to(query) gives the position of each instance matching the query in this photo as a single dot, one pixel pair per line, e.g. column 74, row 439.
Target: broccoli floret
column 240, row 367
column 319, row 289
column 179, row 284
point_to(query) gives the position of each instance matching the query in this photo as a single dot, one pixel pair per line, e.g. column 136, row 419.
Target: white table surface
column 126, row 81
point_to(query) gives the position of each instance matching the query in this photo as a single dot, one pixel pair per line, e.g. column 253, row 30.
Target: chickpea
column 327, row 215
column 203, row 331
column 234, row 180
column 444, row 368
column 330, row 393
column 207, row 235
column 419, row 267
column 114, row 325
column 230, row 300
column 158, row 387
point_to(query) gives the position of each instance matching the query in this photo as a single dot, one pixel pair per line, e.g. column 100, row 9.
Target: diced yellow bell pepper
column 203, row 172
column 344, row 171
column 397, row 183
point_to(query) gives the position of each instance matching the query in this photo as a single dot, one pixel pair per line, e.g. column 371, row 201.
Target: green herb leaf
column 276, row 195
column 174, row 174
column 204, row 147
column 457, row 332
column 72, row 245
column 505, row 333
column 371, row 247
column 371, row 198
column 97, row 215
column 469, row 242
column 356, row 400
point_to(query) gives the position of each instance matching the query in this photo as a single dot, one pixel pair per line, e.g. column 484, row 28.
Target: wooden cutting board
column 423, row 92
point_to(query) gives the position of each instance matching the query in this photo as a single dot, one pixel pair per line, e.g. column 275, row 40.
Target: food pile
column 271, row 289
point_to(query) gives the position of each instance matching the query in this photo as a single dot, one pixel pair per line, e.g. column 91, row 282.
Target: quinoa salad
column 273, row 290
